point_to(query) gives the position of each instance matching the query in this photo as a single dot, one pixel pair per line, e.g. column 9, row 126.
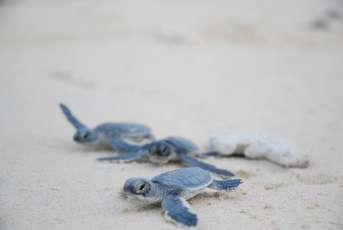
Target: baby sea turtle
column 113, row 135
column 256, row 146
column 170, row 149
column 173, row 188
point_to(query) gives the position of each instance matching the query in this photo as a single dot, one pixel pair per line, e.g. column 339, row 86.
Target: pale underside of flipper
column 255, row 146
column 178, row 211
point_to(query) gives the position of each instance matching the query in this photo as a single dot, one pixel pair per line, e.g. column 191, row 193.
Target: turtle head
column 142, row 189
column 85, row 136
column 161, row 152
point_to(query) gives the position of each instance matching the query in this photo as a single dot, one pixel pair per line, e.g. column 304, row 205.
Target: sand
column 189, row 68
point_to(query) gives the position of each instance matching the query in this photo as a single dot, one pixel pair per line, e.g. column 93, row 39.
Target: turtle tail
column 225, row 184
column 71, row 118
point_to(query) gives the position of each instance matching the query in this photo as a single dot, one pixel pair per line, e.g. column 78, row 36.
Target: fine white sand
column 189, row 68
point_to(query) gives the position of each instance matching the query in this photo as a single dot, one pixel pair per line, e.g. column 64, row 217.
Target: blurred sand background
column 189, row 68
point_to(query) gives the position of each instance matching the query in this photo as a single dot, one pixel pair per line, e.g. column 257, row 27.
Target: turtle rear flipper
column 225, row 184
column 209, row 154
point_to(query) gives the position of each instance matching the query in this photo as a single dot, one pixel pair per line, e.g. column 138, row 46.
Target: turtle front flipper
column 191, row 161
column 71, row 118
column 126, row 157
column 178, row 210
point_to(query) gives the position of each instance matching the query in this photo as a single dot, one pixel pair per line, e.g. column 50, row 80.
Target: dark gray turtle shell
column 123, row 129
column 186, row 178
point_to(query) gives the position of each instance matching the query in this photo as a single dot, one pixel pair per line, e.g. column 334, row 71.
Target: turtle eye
column 164, row 150
column 143, row 188
column 86, row 135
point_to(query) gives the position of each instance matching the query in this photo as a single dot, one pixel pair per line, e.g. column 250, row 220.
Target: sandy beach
column 188, row 68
